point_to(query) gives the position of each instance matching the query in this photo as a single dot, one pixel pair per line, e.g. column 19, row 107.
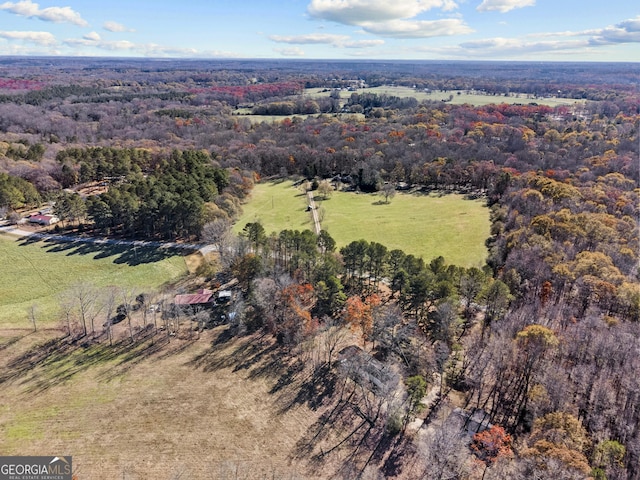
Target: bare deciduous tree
column 33, row 311
column 217, row 233
column 445, row 453
column 84, row 299
column 109, row 298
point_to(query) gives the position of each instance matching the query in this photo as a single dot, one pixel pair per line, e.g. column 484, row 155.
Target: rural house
column 43, row 219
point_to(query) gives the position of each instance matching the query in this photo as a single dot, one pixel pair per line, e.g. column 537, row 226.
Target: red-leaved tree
column 491, row 445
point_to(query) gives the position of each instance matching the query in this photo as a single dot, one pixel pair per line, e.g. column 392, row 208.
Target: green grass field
column 278, row 206
column 460, row 97
column 35, row 273
column 278, row 118
column 423, row 225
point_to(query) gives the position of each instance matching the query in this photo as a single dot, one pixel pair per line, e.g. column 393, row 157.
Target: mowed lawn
column 37, row 273
column 423, row 225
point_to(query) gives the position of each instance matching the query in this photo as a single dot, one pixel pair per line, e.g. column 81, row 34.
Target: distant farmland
column 423, row 225
column 458, row 97
column 455, row 97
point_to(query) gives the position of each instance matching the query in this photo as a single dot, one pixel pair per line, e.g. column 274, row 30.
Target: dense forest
column 543, row 339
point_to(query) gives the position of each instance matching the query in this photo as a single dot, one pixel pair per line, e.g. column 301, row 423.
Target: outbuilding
column 43, row 219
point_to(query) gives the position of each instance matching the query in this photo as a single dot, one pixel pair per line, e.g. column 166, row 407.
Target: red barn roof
column 202, row 296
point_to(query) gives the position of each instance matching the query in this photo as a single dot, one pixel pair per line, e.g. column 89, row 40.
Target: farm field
column 278, row 206
column 423, row 225
column 35, row 273
column 246, row 113
column 460, row 97
column 188, row 409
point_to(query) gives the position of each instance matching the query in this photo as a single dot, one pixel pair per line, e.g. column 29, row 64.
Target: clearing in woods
column 423, row 225
column 456, row 97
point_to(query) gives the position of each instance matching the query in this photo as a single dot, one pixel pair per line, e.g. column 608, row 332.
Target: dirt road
column 314, row 212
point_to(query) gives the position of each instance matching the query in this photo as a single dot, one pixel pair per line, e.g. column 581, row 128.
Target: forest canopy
column 543, row 339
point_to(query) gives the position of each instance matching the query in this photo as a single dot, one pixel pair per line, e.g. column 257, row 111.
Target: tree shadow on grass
column 123, row 254
column 58, row 360
column 259, row 356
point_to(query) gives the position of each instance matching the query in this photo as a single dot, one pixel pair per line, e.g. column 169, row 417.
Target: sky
column 524, row 30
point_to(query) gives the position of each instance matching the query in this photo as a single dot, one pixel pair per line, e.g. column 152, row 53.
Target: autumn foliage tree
column 491, row 445
column 287, row 309
column 559, row 436
column 358, row 314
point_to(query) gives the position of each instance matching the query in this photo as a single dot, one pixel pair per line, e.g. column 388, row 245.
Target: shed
column 43, row 219
column 224, row 296
column 201, row 297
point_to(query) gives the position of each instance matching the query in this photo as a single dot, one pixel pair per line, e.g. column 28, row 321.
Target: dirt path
column 314, row 212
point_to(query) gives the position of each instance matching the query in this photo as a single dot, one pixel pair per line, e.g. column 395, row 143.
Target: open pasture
column 424, row 225
column 211, row 408
column 278, row 206
column 458, row 97
column 36, row 272
column 420, row 224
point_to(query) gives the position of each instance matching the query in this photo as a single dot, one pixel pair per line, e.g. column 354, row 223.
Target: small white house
column 43, row 219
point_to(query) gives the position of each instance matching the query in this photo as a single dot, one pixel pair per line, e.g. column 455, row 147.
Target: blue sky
column 554, row 30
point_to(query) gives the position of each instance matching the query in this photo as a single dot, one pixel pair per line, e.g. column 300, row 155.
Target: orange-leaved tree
column 491, row 445
column 294, row 320
column 358, row 313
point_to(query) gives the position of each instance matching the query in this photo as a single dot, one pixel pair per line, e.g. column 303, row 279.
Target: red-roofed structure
column 201, row 297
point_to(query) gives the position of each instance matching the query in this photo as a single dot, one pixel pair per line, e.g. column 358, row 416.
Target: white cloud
column 356, row 12
column 511, row 48
column 290, row 52
column 504, row 6
column 578, row 43
column 627, row 31
column 632, row 25
column 22, row 49
column 155, row 50
column 94, row 40
column 418, row 29
column 340, row 41
column 27, row 8
column 93, row 36
column 362, row 43
column 312, row 38
column 116, row 27
column 390, row 18
column 39, row 38
column 500, row 46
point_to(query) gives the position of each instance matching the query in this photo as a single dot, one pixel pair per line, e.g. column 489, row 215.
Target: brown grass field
column 206, row 408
